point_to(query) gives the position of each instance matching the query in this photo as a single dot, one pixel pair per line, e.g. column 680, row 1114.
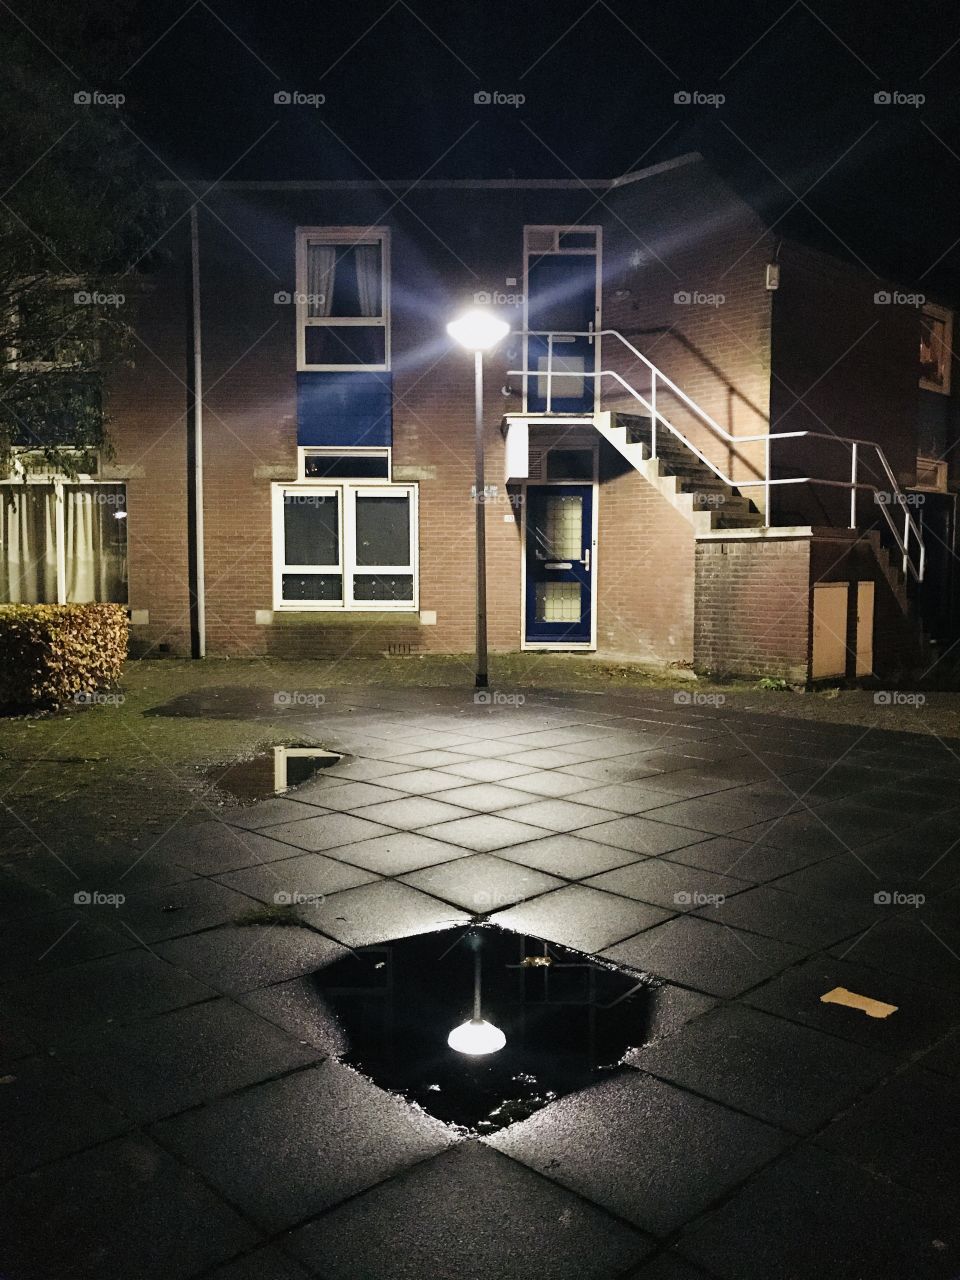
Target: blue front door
column 559, row 564
column 562, row 298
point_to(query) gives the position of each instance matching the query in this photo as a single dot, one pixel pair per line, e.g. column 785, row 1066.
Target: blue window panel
column 344, row 409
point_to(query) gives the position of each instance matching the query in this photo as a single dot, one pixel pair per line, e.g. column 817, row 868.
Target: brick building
column 648, row 492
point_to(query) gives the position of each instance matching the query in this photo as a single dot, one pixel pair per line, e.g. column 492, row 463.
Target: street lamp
column 479, row 330
column 476, row 1037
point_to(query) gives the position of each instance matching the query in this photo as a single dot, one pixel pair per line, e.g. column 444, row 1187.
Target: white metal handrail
column 883, row 499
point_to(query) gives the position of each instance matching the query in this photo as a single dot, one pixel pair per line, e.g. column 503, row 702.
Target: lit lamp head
column 476, row 1037
column 478, row 329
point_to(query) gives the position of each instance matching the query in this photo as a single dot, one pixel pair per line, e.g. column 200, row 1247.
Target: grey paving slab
column 912, row 948
column 133, row 984
column 177, row 1060
column 609, row 1143
column 907, row 1132
column 667, row 1266
column 668, row 884
column 326, row 831
column 211, row 847
column 57, row 938
column 262, row 1264
column 472, row 1213
column 624, row 797
column 571, row 856
column 482, row 882
column 924, row 1014
column 709, row 957
column 670, row 1008
column 242, row 958
column 557, row 814
column 424, row 782
column 365, row 769
column 788, row 1075
column 116, row 1211
column 484, row 770
column 747, row 859
column 945, row 1058
column 252, row 817
column 179, row 909
column 580, row 917
column 486, row 797
column 378, row 911
column 559, row 783
column 305, row 875
column 285, row 1150
column 823, row 1218
column 626, row 768
column 394, row 854
column 640, row 835
column 769, row 910
column 45, row 1113
column 344, row 795
column 484, row 832
column 299, row 1008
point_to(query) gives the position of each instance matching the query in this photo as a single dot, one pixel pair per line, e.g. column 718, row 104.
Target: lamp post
column 479, row 330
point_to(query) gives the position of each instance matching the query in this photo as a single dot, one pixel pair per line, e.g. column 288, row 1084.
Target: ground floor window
column 345, row 546
column 63, row 543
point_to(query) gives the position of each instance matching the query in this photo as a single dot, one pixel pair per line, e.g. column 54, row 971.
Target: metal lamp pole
column 479, row 486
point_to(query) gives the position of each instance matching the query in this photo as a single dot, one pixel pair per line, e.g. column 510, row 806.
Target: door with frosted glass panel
column 559, row 568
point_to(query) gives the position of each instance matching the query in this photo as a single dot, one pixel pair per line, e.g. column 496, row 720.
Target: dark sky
column 599, row 78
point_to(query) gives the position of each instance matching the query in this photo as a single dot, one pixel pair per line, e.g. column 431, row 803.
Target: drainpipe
column 198, row 622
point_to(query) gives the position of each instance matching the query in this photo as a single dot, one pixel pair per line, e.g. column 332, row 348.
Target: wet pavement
column 180, row 1099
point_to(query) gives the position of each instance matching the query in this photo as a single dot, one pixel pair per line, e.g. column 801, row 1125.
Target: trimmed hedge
column 51, row 654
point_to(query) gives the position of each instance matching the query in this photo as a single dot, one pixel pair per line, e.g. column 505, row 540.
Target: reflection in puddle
column 566, row 1017
column 269, row 774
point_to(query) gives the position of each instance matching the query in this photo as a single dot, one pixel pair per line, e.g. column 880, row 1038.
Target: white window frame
column 346, row 493
column 347, row 451
column 945, row 315
column 14, row 360
column 342, row 236
column 58, row 483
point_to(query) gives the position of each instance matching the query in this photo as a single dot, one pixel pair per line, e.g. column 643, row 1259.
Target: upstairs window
column 936, row 348
column 343, row 303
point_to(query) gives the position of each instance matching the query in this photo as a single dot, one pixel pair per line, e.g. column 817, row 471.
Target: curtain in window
column 321, row 269
column 95, row 543
column 28, row 545
column 367, row 258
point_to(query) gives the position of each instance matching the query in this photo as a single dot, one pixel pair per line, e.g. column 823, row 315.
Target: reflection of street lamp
column 476, row 1036
column 479, row 330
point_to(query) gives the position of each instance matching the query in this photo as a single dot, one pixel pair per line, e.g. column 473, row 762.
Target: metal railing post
column 906, row 537
column 766, row 480
column 653, row 414
column 549, row 373
column 853, row 485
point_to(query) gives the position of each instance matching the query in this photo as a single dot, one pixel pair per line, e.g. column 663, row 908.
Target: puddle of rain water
column 568, row 1019
column 270, row 773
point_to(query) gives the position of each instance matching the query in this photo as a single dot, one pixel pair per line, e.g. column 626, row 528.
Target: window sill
column 347, row 618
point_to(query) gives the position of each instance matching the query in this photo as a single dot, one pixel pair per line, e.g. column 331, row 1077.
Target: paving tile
column 668, row 884
column 423, row 782
column 431, row 759
column 241, row 958
column 709, row 957
column 45, row 1114
column 768, row 910
column 924, row 1014
column 895, row 1132
column 299, row 1008
column 262, row 1264
column 364, row 769
column 375, row 912
column 570, row 856
column 558, row 783
column 482, row 882
column 252, row 817
column 640, row 835
column 609, row 1143
column 558, row 815
column 212, row 847
column 35, row 942
column 625, row 797
column 945, row 1058
column 745, row 859
column 15, row 1043
column 310, row 874
column 484, row 770
column 718, row 815
column 580, row 917
column 401, row 851
column 851, row 883
column 626, row 768
column 412, row 812
column 921, row 951
column 178, row 909
column 667, row 1266
column 133, row 984
column 177, row 1060
column 552, row 757
column 472, row 1213
column 670, row 1008
column 326, row 831
column 285, row 1150
column 821, row 1218
column 485, row 832
column 688, row 779
column 798, row 831
column 486, row 797
column 345, row 795
column 789, row 1076
column 117, row 1211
